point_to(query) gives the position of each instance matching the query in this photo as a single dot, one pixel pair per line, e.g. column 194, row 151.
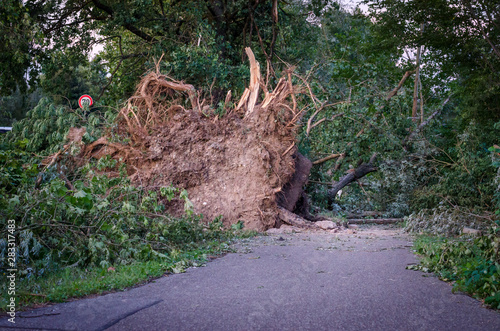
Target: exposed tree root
column 232, row 166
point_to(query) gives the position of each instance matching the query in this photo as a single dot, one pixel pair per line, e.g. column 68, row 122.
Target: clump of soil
column 232, row 165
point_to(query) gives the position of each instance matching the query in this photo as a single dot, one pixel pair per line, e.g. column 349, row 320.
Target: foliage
column 495, row 152
column 16, row 33
column 459, row 58
column 351, row 82
column 472, row 264
column 46, row 126
column 204, row 67
column 100, row 234
column 446, row 221
column 447, row 160
column 64, row 79
column 16, row 167
column 132, row 33
column 15, row 106
column 100, row 221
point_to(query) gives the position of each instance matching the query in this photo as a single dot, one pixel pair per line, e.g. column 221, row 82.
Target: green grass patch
column 472, row 264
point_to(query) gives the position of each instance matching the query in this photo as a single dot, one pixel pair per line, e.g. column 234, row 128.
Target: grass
column 71, row 283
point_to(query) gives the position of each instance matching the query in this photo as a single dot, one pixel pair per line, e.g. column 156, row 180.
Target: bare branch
column 426, row 122
column 323, row 106
column 397, row 88
column 329, row 157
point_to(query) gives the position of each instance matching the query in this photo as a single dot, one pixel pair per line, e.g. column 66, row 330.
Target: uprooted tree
column 232, row 165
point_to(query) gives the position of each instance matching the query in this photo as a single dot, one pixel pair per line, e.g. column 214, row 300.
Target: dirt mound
column 232, row 165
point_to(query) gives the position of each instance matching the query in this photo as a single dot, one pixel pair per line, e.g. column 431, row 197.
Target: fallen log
column 374, row 220
column 365, row 213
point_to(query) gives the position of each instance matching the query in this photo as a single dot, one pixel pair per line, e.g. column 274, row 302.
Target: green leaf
column 80, row 194
column 14, row 201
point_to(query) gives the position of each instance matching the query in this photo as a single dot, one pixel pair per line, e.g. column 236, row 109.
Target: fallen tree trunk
column 361, row 171
column 365, row 213
column 375, row 220
column 292, row 191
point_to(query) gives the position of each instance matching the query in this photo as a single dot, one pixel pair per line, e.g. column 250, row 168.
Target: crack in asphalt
column 124, row 316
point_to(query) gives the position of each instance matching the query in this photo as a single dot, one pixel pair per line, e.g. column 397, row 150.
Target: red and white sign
column 85, row 101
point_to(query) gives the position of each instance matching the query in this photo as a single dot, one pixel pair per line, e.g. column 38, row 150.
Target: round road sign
column 85, row 101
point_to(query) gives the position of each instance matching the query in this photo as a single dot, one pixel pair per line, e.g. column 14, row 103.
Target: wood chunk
column 290, row 218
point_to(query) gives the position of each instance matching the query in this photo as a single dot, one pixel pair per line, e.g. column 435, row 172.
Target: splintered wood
column 249, row 98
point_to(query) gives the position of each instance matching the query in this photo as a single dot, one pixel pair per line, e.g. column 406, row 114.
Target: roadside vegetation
column 470, row 261
column 471, row 264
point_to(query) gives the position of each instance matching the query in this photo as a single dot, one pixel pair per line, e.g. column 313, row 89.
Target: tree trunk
column 417, row 80
column 361, row 171
column 292, row 191
column 290, row 218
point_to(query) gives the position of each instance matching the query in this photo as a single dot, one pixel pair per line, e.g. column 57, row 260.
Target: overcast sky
column 351, row 4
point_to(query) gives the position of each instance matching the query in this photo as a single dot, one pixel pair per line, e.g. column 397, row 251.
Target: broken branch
column 397, row 88
column 361, row 171
column 423, row 124
column 323, row 106
column 329, row 157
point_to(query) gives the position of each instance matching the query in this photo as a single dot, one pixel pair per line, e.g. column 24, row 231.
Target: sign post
column 85, row 101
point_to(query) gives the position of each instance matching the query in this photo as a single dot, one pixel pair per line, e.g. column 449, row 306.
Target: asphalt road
column 305, row 281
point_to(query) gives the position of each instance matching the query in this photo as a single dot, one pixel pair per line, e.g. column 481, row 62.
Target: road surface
column 284, row 281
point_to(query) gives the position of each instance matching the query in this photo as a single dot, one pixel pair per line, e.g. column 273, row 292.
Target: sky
column 351, row 4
